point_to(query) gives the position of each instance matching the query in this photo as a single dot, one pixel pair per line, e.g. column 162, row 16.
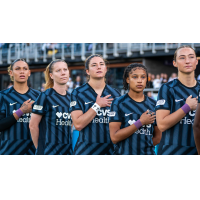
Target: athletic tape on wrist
column 138, row 124
column 19, row 113
column 96, row 107
column 186, row 108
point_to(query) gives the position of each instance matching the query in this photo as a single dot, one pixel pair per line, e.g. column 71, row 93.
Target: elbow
column 161, row 128
column 113, row 139
column 78, row 127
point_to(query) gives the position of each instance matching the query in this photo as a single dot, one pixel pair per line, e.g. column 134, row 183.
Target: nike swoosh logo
column 128, row 114
column 12, row 103
column 55, row 106
column 179, row 100
column 88, row 102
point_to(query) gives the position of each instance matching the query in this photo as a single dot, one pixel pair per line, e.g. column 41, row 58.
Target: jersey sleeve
column 40, row 105
column 163, row 99
column 75, row 103
column 115, row 113
column 2, row 106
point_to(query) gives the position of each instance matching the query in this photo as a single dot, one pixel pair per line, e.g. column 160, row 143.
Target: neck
column 21, row 87
column 97, row 84
column 187, row 79
column 60, row 89
column 136, row 96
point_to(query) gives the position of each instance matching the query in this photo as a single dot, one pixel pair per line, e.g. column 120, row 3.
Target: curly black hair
column 128, row 70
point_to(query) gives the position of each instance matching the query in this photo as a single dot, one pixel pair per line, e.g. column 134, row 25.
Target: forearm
column 7, row 122
column 83, row 120
column 35, row 135
column 156, row 140
column 170, row 120
column 196, row 129
column 122, row 134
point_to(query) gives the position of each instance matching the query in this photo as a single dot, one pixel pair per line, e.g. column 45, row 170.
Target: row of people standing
column 129, row 123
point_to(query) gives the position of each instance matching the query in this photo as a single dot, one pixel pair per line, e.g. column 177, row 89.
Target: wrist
column 138, row 124
column 19, row 113
column 96, row 107
column 186, row 108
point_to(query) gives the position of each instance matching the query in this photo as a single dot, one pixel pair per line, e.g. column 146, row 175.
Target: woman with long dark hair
column 90, row 109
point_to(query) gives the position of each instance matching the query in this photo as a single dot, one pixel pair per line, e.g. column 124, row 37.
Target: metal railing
column 43, row 51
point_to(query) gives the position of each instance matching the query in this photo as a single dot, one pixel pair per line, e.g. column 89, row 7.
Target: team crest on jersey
column 37, row 107
column 160, row 102
column 112, row 114
column 73, row 103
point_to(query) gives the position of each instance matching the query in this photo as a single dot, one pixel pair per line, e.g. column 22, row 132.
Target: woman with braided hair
column 132, row 120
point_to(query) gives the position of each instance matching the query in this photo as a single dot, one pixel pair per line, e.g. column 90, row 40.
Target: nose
column 187, row 60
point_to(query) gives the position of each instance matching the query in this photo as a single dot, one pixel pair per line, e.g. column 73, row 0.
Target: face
column 97, row 68
column 60, row 73
column 78, row 78
column 186, row 60
column 20, row 72
column 137, row 80
column 157, row 76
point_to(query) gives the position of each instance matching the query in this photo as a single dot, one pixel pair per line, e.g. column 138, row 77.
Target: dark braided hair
column 128, row 70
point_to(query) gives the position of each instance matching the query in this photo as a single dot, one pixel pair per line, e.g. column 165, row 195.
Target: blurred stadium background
column 157, row 57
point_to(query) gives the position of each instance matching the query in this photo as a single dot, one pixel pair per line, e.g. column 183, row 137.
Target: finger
column 32, row 102
column 106, row 97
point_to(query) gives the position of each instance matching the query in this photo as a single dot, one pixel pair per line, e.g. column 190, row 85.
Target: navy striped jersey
column 55, row 108
column 127, row 111
column 10, row 102
column 172, row 96
column 83, row 98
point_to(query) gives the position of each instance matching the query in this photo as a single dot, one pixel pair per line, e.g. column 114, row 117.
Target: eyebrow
column 139, row 74
column 186, row 55
column 96, row 63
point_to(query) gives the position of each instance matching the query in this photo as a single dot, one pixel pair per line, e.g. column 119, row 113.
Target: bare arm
column 34, row 128
column 157, row 134
column 165, row 120
column 196, row 128
column 81, row 120
column 117, row 134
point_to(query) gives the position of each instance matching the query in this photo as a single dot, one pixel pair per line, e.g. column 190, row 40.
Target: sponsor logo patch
column 37, row 107
column 160, row 102
column 73, row 103
column 112, row 114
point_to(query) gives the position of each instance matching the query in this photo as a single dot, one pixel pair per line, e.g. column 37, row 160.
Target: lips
column 139, row 86
column 22, row 76
column 99, row 72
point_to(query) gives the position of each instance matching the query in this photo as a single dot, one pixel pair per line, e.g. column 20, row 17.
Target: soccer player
column 53, row 106
column 176, row 106
column 196, row 125
column 132, row 120
column 15, row 111
column 90, row 106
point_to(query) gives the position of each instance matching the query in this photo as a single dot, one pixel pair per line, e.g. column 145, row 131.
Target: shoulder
column 169, row 85
column 5, row 92
column 37, row 92
column 80, row 89
column 151, row 101
column 120, row 99
column 113, row 90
